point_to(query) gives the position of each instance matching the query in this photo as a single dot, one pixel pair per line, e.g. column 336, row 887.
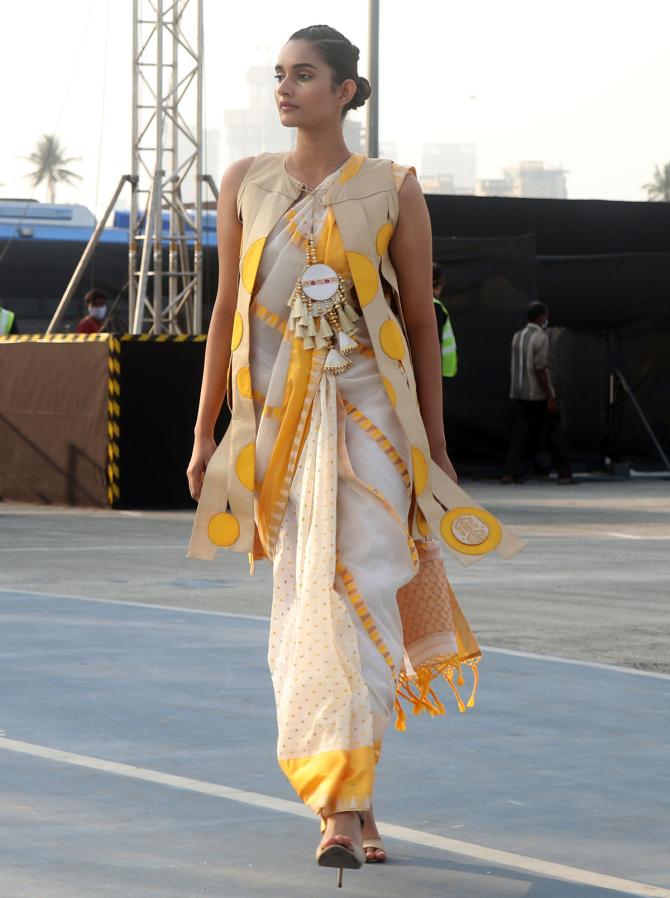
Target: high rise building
column 537, row 179
column 212, row 164
column 354, row 135
column 527, row 179
column 437, row 184
column 452, row 164
column 388, row 149
column 257, row 128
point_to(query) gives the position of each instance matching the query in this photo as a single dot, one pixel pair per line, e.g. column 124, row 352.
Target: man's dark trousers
column 531, row 423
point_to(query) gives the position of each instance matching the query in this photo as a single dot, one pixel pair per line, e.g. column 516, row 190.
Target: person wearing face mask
column 96, row 305
column 537, row 412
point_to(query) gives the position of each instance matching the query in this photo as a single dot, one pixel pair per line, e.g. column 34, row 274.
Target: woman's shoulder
column 234, row 175
column 237, row 171
column 400, row 172
column 396, row 171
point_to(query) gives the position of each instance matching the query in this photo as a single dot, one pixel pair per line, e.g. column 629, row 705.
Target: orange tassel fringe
column 418, row 692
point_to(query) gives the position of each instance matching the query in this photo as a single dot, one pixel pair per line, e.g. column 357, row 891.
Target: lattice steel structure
column 165, row 288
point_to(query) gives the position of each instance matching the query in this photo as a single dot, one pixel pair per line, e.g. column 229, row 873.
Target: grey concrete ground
column 558, row 764
column 594, row 582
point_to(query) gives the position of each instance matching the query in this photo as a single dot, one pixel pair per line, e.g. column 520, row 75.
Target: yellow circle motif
column 470, row 530
column 364, row 275
column 420, row 470
column 250, row 263
column 388, row 386
column 238, row 330
column 392, row 340
column 244, row 381
column 245, row 466
column 384, row 235
column 223, row 529
column 422, row 523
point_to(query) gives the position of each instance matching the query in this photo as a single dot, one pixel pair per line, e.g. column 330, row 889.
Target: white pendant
column 319, row 281
column 350, row 312
column 335, row 363
column 347, row 345
column 324, row 328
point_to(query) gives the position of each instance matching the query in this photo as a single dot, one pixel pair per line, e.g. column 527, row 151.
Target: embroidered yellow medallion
column 471, row 530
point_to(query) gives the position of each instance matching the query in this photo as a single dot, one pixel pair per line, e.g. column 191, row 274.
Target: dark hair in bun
column 341, row 55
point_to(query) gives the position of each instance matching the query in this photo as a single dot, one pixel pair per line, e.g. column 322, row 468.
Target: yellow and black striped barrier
column 113, row 422
column 150, row 399
column 54, row 338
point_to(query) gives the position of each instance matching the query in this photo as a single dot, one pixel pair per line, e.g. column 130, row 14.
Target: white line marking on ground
column 634, row 535
column 615, row 668
column 390, row 830
column 529, row 537
column 597, row 664
column 95, row 599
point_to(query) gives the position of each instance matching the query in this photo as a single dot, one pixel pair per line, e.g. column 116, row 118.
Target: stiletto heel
column 341, row 857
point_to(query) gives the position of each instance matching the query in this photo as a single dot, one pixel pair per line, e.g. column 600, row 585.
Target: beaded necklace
column 322, row 312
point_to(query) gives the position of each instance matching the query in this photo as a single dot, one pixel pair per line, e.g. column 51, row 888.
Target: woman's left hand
column 442, row 459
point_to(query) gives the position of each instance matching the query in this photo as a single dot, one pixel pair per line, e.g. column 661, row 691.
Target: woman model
column 326, row 467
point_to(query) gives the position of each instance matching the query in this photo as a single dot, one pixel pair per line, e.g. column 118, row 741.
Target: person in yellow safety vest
column 447, row 339
column 7, row 322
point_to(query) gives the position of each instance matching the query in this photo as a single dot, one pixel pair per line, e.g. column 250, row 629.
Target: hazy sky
column 580, row 83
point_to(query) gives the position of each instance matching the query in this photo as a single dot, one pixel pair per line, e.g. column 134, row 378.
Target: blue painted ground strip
column 562, row 762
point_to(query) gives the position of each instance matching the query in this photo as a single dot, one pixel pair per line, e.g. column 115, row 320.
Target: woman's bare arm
column 411, row 250
column 217, row 351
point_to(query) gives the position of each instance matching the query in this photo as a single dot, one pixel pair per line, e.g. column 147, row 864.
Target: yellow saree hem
column 334, row 781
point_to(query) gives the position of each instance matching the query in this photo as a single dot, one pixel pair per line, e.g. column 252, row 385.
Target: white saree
column 342, row 549
column 327, row 473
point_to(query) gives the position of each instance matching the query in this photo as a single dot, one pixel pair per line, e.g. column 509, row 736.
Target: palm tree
column 659, row 188
column 49, row 157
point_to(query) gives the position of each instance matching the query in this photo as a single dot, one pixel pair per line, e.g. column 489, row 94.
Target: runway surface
column 137, row 745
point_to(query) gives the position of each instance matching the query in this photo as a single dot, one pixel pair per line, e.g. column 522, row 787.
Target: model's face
column 305, row 94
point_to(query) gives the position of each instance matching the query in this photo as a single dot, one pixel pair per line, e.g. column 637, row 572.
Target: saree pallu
column 333, row 494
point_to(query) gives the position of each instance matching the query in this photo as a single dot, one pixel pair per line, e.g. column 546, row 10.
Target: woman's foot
column 342, row 829
column 373, row 854
column 341, row 844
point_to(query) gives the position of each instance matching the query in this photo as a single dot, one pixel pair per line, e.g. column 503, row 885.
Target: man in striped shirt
column 537, row 413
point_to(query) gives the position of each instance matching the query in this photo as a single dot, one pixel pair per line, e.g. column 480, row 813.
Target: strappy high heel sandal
column 376, row 845
column 341, row 857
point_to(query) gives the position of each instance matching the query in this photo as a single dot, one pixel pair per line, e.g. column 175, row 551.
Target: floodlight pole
column 373, row 102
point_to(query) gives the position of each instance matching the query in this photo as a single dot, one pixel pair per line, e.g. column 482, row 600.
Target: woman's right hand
column 203, row 449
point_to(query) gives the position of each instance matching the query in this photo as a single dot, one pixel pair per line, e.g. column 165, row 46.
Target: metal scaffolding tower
column 166, row 157
column 165, row 294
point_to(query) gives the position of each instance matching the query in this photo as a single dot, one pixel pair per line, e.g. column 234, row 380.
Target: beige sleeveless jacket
column 365, row 206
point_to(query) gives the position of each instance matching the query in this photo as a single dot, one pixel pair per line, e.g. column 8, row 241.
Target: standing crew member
column 96, row 304
column 444, row 328
column 7, row 322
column 537, row 411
